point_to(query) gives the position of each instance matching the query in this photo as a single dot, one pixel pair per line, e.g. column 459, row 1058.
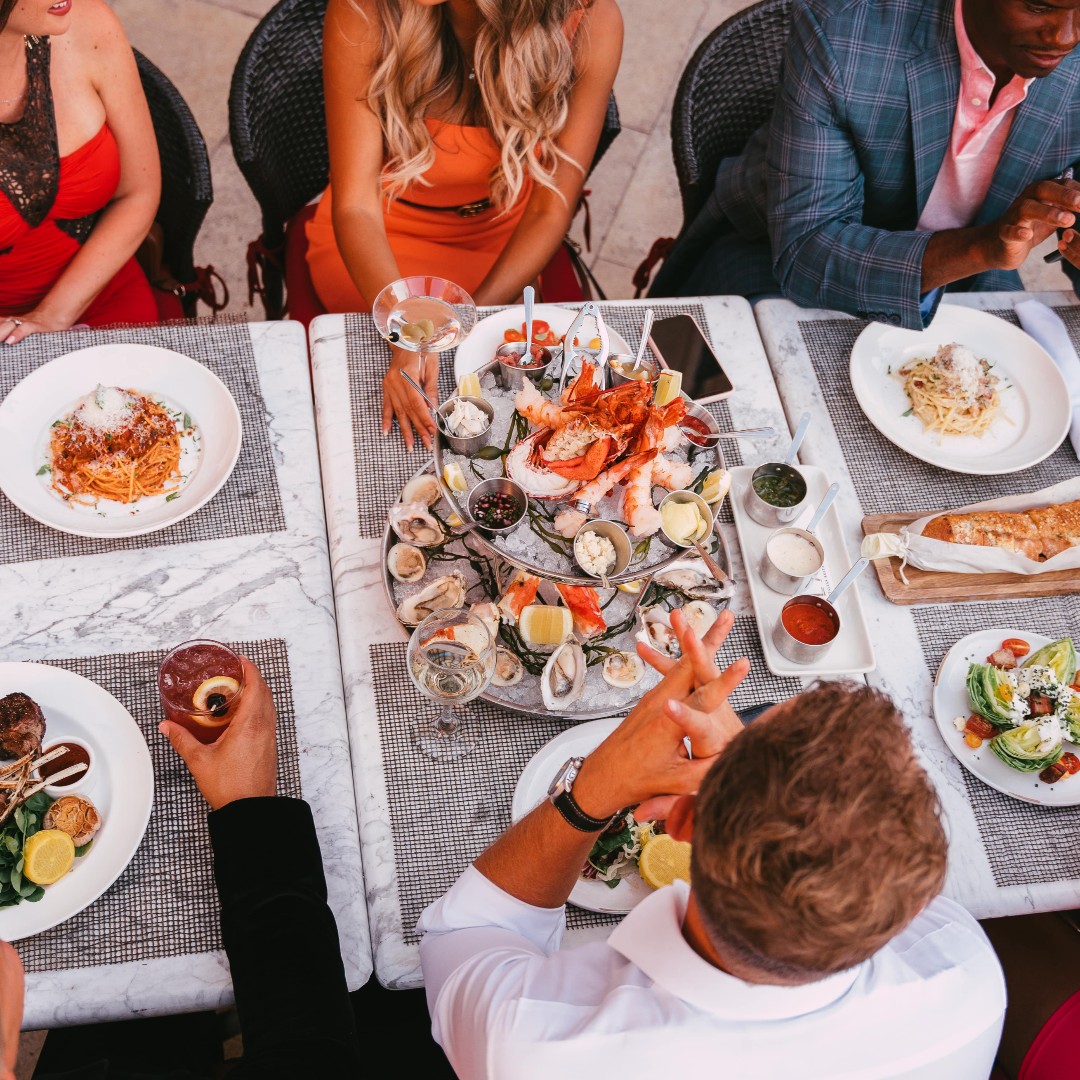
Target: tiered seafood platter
column 614, row 456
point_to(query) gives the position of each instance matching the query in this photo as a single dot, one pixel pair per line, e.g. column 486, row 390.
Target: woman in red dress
column 79, row 174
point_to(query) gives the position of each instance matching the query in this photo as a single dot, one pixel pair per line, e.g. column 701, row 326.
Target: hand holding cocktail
column 242, row 763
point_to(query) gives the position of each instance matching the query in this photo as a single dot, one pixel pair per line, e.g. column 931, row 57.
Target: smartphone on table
column 680, row 344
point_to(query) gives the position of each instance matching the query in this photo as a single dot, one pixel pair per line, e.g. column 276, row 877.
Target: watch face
column 564, row 778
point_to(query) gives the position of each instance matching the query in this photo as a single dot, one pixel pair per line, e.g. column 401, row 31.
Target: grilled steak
column 22, row 726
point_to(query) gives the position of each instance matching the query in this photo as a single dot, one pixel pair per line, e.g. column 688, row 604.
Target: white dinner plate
column 852, row 652
column 121, row 786
column 532, row 788
column 951, row 701
column 47, row 394
column 1035, row 411
column 487, row 335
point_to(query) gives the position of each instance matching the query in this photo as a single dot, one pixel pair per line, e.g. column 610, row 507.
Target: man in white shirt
column 812, row 942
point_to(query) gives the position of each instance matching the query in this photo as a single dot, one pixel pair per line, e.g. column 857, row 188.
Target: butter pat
column 681, row 521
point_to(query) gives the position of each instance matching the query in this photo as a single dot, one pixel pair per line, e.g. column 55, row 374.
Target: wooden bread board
column 944, row 586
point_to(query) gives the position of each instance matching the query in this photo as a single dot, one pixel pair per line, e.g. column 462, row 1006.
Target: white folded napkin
column 1046, row 327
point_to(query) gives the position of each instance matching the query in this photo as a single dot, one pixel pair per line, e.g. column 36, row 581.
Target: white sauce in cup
column 793, row 554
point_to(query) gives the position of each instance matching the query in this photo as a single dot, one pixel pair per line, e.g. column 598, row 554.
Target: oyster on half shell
column 508, row 668
column 406, row 563
column 656, row 631
column 415, row 524
column 623, row 669
column 443, row 592
column 563, row 677
column 691, row 578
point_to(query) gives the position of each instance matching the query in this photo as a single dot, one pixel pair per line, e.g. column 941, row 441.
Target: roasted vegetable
column 1020, row 749
column 1059, row 656
column 991, row 694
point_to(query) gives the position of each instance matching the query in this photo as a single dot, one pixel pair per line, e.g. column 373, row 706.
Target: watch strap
column 567, row 805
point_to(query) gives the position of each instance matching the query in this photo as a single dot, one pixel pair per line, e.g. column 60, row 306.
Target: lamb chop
column 22, row 726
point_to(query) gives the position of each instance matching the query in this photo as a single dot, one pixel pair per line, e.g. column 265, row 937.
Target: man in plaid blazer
column 838, row 180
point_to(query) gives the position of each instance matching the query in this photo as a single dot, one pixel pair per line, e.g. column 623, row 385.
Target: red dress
column 49, row 205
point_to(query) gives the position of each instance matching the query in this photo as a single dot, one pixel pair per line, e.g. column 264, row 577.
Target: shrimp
column 672, row 474
column 584, row 604
column 567, row 522
column 536, row 408
column 642, row 517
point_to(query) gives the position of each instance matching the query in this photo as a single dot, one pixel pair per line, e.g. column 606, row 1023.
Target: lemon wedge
column 454, row 477
column 716, row 486
column 668, row 387
column 664, row 860
column 632, row 587
column 469, row 386
column 454, row 520
column 48, row 856
column 545, row 624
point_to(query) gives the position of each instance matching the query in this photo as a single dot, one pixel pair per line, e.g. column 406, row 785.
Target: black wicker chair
column 186, row 188
column 278, row 129
column 726, row 92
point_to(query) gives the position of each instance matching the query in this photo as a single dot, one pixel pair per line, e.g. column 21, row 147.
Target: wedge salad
column 1027, row 704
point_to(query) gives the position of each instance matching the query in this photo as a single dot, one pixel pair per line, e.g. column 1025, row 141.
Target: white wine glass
column 451, row 658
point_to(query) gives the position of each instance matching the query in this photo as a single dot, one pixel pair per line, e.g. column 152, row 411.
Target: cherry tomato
column 1071, row 762
column 980, row 727
column 973, row 741
column 1017, row 646
column 541, row 330
column 513, row 335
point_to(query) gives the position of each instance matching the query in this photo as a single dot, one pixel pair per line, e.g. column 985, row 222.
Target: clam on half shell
column 443, row 592
column 656, row 631
column 406, row 563
column 415, row 524
column 699, row 616
column 509, row 670
column 422, row 489
column 563, row 678
column 623, row 670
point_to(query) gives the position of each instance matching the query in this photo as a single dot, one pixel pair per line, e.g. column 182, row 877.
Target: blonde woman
column 460, row 132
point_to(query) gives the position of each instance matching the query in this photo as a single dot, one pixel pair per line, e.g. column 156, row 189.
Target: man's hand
column 242, row 764
column 1043, row 207
column 403, row 403
column 645, row 760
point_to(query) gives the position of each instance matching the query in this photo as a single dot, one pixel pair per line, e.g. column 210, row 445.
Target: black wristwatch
column 559, row 792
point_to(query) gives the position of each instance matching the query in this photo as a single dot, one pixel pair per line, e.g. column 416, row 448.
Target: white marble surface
column 902, row 672
column 364, row 616
column 270, row 585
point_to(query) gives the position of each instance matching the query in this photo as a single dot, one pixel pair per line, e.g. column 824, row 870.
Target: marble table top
column 364, row 617
column 902, row 670
column 271, row 585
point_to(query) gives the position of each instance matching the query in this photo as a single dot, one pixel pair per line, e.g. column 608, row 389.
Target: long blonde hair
column 523, row 73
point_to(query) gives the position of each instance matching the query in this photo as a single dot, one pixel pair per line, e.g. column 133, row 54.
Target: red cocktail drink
column 200, row 683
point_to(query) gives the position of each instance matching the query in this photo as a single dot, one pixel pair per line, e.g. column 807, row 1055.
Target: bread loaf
column 1038, row 534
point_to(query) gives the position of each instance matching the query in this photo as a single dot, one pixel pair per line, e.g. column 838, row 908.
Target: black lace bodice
column 29, row 155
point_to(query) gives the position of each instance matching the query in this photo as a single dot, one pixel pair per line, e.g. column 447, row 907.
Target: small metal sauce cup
column 799, row 652
column 778, row 579
column 466, row 444
column 704, row 509
column 498, row 485
column 511, row 373
column 620, row 362
column 619, row 539
column 699, row 415
column 763, row 512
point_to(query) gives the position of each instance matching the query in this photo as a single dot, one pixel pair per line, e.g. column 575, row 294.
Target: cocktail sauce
column 696, row 431
column 808, row 623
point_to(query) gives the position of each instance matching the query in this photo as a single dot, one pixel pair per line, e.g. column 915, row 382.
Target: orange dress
column 440, row 242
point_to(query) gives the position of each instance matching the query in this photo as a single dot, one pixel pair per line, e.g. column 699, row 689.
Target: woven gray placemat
column 443, row 815
column 382, row 463
column 165, row 903
column 250, row 501
column 1025, row 844
column 885, row 477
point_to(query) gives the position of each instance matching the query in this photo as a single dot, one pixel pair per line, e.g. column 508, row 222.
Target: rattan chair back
column 186, row 188
column 725, row 94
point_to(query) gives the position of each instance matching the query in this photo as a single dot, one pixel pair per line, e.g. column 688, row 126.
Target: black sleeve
column 296, row 1018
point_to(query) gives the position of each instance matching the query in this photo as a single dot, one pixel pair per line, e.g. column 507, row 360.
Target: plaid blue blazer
column 861, row 125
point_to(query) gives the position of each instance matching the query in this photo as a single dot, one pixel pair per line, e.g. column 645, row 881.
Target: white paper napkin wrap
column 917, row 550
column 1046, row 327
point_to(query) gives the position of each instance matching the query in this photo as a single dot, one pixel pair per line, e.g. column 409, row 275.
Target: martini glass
column 451, row 658
column 423, row 314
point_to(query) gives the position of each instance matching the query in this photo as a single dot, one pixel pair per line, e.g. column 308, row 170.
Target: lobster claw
column 574, row 350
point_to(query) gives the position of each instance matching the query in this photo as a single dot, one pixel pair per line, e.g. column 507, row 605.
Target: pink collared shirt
column 978, row 137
